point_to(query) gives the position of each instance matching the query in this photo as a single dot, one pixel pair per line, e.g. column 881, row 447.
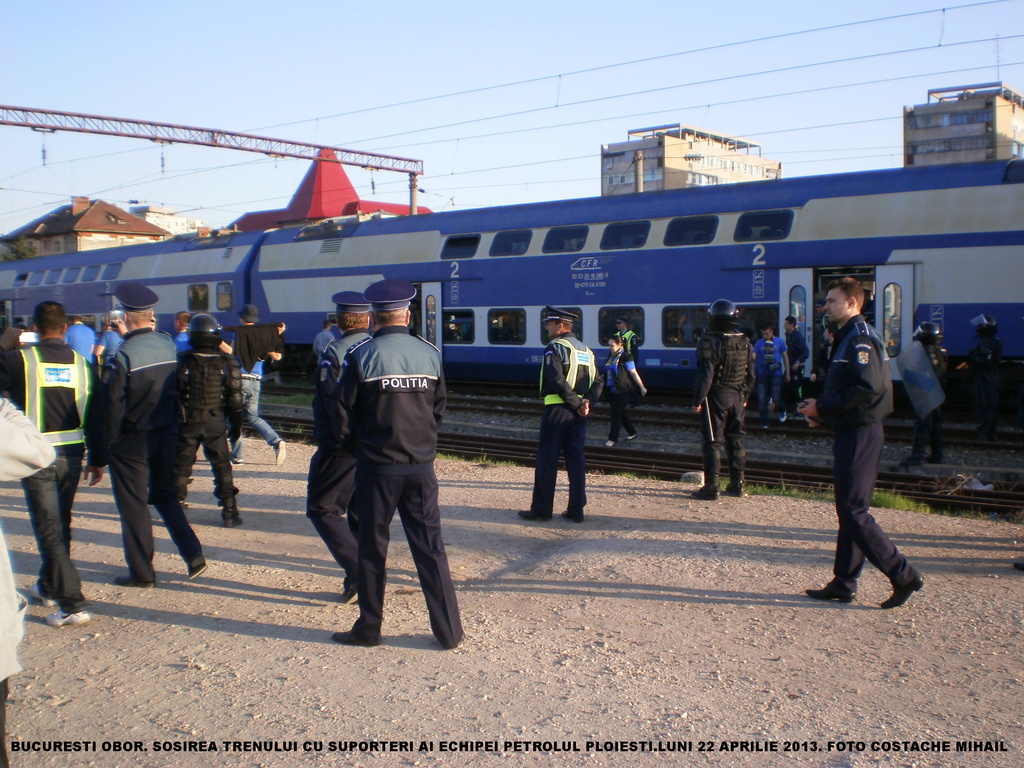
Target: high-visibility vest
column 577, row 357
column 40, row 376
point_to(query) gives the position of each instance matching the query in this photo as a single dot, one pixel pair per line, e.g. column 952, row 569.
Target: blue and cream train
column 941, row 243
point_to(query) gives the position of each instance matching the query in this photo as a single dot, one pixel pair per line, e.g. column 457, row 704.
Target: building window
column 224, row 297
column 460, row 247
column 506, row 326
column 625, row 234
column 511, row 243
column 459, row 327
column 606, row 317
column 763, row 225
column 198, row 297
column 565, row 240
column 692, row 230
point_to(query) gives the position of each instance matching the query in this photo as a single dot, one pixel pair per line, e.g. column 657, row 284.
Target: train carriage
column 940, row 243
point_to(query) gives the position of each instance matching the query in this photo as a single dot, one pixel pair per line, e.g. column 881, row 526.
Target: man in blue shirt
column 80, row 337
column 181, row 342
column 772, row 365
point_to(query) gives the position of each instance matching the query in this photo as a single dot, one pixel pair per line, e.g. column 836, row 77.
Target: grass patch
column 296, row 400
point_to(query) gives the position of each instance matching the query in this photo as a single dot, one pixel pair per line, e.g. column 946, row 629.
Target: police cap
column 622, row 319
column 562, row 315
column 389, row 295
column 135, row 297
column 351, row 302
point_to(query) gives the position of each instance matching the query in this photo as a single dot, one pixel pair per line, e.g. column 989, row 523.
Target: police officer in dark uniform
column 928, row 429
column 210, row 389
column 856, row 397
column 141, row 402
column 725, row 378
column 569, row 385
column 332, row 470
column 56, row 388
column 983, row 361
column 391, row 398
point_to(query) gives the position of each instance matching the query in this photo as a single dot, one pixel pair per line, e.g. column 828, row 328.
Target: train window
column 607, row 318
column 692, row 230
column 763, row 225
column 798, row 304
column 577, row 327
column 71, row 274
column 20, row 279
column 216, row 241
column 460, row 247
column 625, row 234
column 506, row 326
column 36, row 278
column 511, row 243
column 683, row 326
column 90, row 273
column 111, row 271
column 431, row 312
column 565, row 240
column 53, row 276
column 198, row 297
column 224, row 297
column 458, row 326
column 892, row 319
column 751, row 319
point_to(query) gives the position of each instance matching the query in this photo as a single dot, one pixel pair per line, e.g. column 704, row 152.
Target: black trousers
column 213, row 436
column 330, row 486
column 563, row 432
column 928, row 437
column 620, row 401
column 415, row 497
column 142, row 473
column 857, row 455
column 725, row 411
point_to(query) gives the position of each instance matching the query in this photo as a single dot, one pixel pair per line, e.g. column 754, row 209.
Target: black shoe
column 900, row 595
column 130, row 581
column 196, row 567
column 832, row 592
column 451, row 646
column 707, row 493
column 232, row 522
column 349, row 594
column 934, row 460
column 528, row 514
column 569, row 516
column 1019, row 566
column 354, row 638
column 735, row 489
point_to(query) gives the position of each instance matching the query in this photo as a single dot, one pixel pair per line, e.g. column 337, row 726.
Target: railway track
column 1007, row 502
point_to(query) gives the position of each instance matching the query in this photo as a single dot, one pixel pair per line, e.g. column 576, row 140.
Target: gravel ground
column 661, row 622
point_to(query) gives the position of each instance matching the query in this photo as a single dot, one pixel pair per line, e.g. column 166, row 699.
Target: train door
column 796, row 298
column 425, row 316
column 894, row 306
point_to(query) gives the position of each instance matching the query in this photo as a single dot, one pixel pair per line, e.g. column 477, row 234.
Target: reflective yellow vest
column 577, row 357
column 39, row 376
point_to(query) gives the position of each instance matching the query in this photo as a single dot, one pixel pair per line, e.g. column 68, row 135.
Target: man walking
column 856, row 397
column 391, row 400
column 56, row 388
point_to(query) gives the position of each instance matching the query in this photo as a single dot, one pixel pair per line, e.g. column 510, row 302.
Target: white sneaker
column 61, row 619
column 783, row 416
column 609, row 443
column 35, row 593
column 280, row 451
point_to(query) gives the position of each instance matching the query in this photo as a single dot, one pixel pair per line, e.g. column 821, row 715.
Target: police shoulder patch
column 863, row 357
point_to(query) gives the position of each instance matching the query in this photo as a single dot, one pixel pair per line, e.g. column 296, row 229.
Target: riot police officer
column 569, row 386
column 856, row 397
column 725, row 377
column 141, row 402
column 928, row 429
column 983, row 365
column 332, row 470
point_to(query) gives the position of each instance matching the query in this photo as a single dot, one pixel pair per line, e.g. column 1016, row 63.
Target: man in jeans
column 56, row 388
column 255, row 343
column 772, row 365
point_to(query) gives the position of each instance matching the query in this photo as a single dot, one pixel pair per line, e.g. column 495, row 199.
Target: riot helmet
column 928, row 333
column 723, row 316
column 985, row 325
column 203, row 331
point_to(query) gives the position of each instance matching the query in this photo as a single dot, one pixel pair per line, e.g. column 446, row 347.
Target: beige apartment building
column 674, row 156
column 968, row 123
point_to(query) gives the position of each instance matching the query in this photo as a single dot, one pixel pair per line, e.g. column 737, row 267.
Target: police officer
column 332, row 470
column 56, row 388
column 928, row 429
column 983, row 366
column 391, row 400
column 629, row 338
column 856, row 397
column 569, row 385
column 141, row 401
column 725, row 377
column 210, row 389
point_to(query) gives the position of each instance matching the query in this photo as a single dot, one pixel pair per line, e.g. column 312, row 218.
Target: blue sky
column 364, row 77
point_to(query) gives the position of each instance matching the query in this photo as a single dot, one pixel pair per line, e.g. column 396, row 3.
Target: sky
column 503, row 102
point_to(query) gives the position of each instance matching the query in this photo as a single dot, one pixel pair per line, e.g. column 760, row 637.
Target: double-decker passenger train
column 942, row 243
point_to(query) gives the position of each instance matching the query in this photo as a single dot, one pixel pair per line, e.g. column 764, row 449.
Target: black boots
column 230, row 514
